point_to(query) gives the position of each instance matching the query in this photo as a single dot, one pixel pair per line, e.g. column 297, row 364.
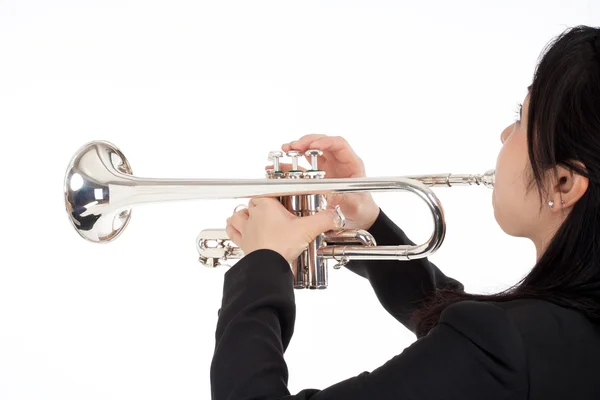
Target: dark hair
column 563, row 129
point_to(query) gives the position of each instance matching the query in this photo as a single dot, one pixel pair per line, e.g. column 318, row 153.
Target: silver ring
column 238, row 206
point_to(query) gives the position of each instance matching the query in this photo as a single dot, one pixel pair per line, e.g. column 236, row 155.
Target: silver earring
column 551, row 203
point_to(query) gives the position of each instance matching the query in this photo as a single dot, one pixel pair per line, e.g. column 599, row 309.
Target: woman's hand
column 267, row 224
column 340, row 161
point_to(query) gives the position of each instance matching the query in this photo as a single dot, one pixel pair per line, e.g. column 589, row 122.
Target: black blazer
column 526, row 349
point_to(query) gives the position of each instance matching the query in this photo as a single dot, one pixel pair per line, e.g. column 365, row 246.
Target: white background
column 198, row 89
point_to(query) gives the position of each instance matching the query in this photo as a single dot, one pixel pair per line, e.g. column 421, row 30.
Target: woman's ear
column 567, row 187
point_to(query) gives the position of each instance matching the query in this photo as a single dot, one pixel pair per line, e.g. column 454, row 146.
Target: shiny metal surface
column 100, row 190
column 93, row 189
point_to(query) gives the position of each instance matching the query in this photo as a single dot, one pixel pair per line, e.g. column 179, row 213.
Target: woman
column 538, row 340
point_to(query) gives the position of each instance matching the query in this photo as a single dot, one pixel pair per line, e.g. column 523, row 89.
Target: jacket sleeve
column 475, row 352
column 400, row 286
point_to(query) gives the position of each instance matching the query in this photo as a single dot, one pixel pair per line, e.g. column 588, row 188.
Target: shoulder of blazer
column 528, row 312
column 490, row 328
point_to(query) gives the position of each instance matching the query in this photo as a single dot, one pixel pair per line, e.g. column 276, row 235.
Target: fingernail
column 337, row 221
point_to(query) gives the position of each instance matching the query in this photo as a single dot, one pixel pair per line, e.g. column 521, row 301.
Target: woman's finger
column 336, row 145
column 302, row 143
column 332, row 146
column 242, row 210
column 234, row 235
column 264, row 201
column 239, row 219
column 239, row 207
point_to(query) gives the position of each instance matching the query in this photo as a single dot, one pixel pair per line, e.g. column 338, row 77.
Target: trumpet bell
column 87, row 188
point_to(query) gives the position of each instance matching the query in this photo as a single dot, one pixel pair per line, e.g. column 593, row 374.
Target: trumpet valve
column 274, row 156
column 293, row 154
column 275, row 172
column 313, row 154
column 314, row 171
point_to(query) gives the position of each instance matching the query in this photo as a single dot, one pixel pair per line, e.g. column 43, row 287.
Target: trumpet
column 100, row 191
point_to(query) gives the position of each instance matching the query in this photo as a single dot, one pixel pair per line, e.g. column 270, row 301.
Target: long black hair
column 563, row 129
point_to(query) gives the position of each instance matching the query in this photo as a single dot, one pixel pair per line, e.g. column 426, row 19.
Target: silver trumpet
column 100, row 189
